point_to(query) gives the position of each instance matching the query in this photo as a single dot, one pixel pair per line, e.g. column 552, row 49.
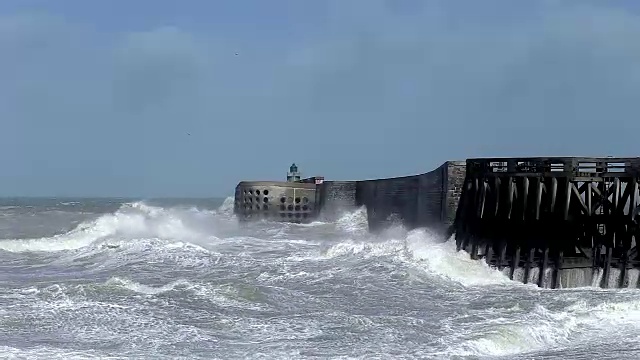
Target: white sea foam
column 183, row 278
column 420, row 248
column 131, row 221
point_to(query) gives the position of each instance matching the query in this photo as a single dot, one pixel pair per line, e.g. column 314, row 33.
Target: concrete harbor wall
column 425, row 200
column 275, row 201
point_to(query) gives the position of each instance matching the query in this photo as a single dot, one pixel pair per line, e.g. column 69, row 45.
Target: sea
column 183, row 279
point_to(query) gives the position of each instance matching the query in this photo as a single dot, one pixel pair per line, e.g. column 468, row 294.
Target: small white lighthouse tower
column 293, row 175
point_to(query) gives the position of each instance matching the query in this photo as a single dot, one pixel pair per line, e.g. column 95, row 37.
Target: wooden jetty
column 554, row 213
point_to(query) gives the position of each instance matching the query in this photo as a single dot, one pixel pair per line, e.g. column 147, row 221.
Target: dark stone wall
column 335, row 197
column 456, row 175
column 425, row 200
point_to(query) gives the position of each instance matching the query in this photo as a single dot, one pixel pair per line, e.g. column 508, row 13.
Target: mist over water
column 113, row 279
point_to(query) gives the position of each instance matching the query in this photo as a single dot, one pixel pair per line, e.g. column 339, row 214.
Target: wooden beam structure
column 551, row 213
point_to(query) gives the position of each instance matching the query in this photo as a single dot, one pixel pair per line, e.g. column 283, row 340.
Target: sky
column 159, row 98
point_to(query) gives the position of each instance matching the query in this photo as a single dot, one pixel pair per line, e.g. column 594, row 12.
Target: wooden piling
column 488, row 253
column 544, row 263
column 607, row 268
column 515, row 261
column 502, row 255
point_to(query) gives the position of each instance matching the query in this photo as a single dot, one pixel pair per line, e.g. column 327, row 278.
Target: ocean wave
column 189, row 278
column 541, row 328
column 131, row 221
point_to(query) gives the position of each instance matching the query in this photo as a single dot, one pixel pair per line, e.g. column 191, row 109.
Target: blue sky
column 186, row 98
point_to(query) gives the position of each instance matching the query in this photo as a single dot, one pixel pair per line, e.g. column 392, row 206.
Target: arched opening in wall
column 305, row 207
column 283, row 200
column 257, row 192
column 298, row 215
column 290, row 215
column 297, row 200
column 257, row 207
column 266, row 199
column 265, row 192
column 290, row 207
column 265, row 207
column 297, row 207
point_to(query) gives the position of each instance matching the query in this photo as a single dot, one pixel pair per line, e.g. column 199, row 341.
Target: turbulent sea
column 171, row 279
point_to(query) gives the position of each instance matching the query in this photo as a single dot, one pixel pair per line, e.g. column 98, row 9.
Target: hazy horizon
column 154, row 99
column 133, row 198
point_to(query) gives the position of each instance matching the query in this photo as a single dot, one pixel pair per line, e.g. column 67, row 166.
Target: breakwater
column 425, row 200
column 541, row 220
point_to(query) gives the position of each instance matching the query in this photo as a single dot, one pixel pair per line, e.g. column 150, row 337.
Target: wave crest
column 131, row 221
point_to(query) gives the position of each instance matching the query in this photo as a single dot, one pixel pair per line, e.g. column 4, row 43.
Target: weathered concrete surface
column 275, row 201
column 425, row 200
column 336, row 197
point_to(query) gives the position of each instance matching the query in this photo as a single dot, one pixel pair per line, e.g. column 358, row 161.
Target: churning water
column 111, row 279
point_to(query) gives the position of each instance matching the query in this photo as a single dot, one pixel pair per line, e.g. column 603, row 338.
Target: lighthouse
column 293, row 175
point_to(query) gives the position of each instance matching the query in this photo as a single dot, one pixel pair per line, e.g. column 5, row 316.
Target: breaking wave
column 132, row 221
column 541, row 328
